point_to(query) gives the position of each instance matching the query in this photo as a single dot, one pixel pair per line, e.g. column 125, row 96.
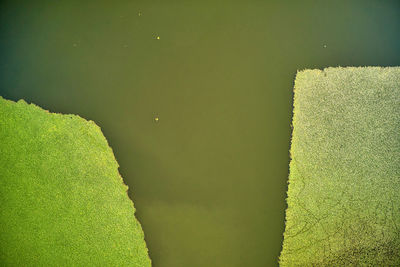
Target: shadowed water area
column 195, row 98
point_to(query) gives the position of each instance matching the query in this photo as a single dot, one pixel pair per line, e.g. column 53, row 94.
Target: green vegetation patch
column 344, row 183
column 63, row 202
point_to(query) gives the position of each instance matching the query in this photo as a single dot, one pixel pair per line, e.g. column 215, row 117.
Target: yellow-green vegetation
column 344, row 183
column 63, row 202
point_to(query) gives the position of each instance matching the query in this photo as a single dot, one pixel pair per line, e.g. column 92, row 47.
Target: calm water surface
column 208, row 176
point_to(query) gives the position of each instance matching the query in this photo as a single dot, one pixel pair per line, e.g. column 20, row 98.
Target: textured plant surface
column 344, row 183
column 63, row 202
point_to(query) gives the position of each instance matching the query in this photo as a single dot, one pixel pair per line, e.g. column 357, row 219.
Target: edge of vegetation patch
column 63, row 201
column 344, row 182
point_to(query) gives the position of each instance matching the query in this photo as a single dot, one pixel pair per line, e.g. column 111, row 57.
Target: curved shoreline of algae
column 59, row 206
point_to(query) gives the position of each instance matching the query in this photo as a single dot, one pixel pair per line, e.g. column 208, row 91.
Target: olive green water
column 208, row 178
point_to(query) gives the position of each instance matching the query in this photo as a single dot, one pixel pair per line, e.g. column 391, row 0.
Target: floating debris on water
column 324, row 46
column 156, row 119
column 158, row 37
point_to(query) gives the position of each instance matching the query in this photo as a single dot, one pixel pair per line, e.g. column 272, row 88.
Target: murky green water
column 209, row 177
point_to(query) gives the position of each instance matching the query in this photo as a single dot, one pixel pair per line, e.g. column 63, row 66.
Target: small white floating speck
column 324, row 46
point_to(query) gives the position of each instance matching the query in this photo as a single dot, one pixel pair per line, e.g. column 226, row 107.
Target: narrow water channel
column 195, row 99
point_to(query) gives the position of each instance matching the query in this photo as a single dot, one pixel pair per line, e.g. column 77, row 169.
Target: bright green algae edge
column 344, row 182
column 63, row 201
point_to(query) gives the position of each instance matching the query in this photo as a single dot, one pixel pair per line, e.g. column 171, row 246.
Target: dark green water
column 209, row 178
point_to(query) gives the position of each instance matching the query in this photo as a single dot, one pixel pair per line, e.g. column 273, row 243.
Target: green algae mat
column 344, row 183
column 63, row 202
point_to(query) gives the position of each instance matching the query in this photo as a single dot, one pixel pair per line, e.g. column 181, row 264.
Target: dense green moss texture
column 63, row 202
column 344, row 183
